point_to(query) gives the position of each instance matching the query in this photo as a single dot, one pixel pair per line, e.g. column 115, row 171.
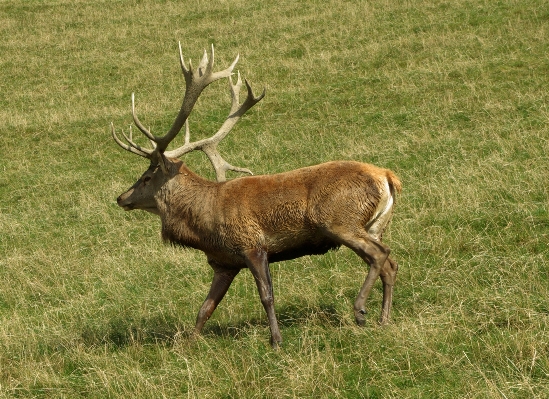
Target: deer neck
column 185, row 206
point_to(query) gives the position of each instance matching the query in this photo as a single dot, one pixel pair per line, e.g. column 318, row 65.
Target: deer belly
column 297, row 247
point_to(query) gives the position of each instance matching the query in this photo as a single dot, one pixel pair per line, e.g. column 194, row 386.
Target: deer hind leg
column 222, row 279
column 389, row 267
column 258, row 263
column 388, row 277
column 375, row 254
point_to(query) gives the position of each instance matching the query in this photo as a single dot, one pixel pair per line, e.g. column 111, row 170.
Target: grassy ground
column 451, row 95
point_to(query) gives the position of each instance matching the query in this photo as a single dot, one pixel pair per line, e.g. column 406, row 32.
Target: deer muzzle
column 124, row 201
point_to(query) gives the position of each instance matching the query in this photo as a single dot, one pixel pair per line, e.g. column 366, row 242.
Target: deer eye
column 146, row 179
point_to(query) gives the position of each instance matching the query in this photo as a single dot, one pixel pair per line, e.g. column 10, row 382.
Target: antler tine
column 137, row 146
column 204, row 66
column 251, row 100
column 187, row 132
column 235, row 93
column 207, row 66
column 184, row 68
column 220, row 165
column 131, row 146
column 138, row 122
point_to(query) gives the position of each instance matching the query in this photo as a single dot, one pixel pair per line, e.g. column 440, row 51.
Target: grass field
column 451, row 95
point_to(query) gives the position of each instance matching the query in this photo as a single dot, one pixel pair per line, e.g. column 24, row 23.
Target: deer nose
column 126, row 206
column 119, row 200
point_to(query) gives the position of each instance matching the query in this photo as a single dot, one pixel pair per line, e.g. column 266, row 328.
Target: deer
column 255, row 220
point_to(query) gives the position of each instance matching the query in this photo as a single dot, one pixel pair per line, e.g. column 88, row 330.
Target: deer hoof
column 359, row 317
column 276, row 343
column 383, row 321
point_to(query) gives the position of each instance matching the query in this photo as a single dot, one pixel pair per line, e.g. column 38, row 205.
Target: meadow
column 451, row 95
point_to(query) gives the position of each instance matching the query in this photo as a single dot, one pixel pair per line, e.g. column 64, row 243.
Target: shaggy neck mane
column 186, row 209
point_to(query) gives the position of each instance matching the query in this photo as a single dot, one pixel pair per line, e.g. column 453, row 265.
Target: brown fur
column 252, row 221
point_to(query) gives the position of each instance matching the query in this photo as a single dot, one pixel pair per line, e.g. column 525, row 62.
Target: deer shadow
column 287, row 315
column 126, row 330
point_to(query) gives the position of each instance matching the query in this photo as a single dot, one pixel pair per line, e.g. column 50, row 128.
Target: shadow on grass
column 288, row 316
column 126, row 330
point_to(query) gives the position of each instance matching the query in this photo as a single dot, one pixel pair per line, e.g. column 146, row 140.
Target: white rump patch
column 383, row 214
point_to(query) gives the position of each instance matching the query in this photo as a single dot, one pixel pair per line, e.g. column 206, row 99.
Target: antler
column 209, row 145
column 196, row 81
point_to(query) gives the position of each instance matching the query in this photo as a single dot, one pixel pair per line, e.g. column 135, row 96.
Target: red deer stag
column 252, row 221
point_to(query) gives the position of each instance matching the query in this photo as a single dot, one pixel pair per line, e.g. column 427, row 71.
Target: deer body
column 252, row 221
column 288, row 215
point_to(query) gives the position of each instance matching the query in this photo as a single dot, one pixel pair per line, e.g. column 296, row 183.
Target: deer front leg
column 258, row 264
column 221, row 281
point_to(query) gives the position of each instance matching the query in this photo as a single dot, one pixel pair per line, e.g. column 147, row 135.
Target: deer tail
column 394, row 183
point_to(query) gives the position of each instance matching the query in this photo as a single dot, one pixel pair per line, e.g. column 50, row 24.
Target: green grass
column 451, row 95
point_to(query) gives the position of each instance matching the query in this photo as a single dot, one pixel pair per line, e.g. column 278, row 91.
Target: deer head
column 164, row 163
